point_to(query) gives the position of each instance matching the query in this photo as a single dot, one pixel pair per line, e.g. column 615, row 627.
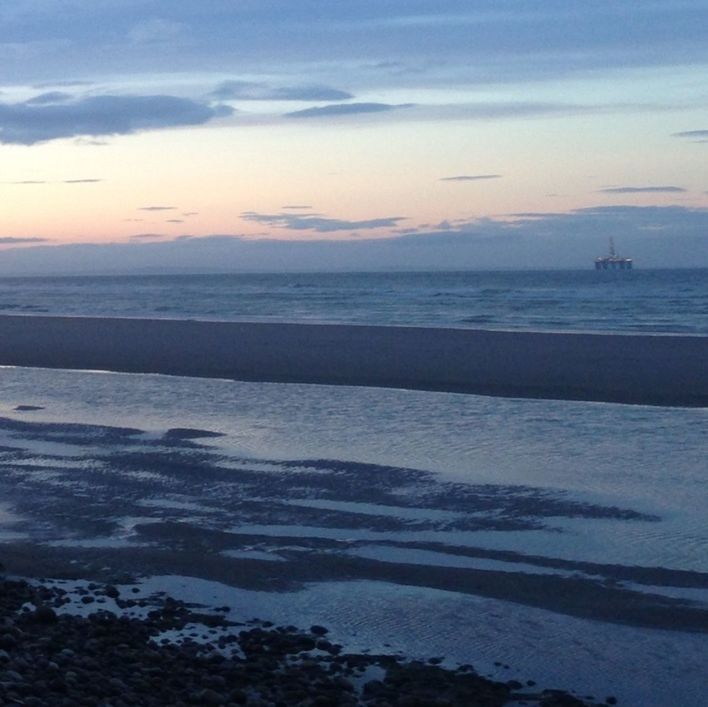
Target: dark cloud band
column 470, row 177
column 29, row 123
column 344, row 109
column 316, row 222
column 698, row 134
column 12, row 240
column 670, row 189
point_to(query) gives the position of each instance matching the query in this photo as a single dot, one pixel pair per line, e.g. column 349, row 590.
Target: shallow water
column 559, row 481
column 649, row 459
column 585, row 656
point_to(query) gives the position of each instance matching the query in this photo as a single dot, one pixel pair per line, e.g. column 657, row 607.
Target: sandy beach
column 640, row 369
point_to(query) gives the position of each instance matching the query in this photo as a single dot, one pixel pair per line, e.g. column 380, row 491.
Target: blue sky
column 140, row 134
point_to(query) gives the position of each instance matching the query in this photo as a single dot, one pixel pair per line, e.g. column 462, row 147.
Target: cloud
column 537, row 214
column 643, row 190
column 458, row 111
column 692, row 134
column 297, row 207
column 11, row 240
column 64, row 181
column 146, row 236
column 155, row 30
column 470, row 177
column 174, row 220
column 344, row 109
column 27, row 123
column 492, row 109
column 316, row 222
column 87, row 142
column 212, row 238
column 49, row 98
column 462, row 43
column 252, row 91
column 672, row 236
column 190, row 213
column 62, row 84
column 157, row 208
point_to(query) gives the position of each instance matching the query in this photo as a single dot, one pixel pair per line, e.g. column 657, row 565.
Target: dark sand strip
column 642, row 369
column 572, row 596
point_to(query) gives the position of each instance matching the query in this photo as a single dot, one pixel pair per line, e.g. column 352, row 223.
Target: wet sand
column 109, row 502
column 639, row 369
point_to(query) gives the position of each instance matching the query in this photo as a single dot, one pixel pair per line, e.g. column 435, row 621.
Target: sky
column 268, row 135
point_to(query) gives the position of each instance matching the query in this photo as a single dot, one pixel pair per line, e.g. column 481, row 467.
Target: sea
column 622, row 301
column 610, row 496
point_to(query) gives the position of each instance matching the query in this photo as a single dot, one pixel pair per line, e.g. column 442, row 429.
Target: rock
column 117, row 684
column 8, row 641
column 556, row 698
column 45, row 614
column 374, row 688
column 318, row 630
column 343, row 684
column 325, row 701
column 211, row 697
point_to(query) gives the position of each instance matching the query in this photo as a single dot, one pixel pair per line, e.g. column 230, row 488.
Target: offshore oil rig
column 613, row 261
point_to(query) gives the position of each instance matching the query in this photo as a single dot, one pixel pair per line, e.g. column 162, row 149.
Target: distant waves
column 669, row 301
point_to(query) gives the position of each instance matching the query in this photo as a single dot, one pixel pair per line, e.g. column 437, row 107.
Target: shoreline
column 643, row 369
column 97, row 642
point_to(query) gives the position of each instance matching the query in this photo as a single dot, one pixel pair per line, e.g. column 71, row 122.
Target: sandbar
column 625, row 368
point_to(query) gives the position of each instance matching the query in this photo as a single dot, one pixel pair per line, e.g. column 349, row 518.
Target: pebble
column 105, row 660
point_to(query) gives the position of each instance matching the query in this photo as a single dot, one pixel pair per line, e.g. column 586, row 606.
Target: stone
column 7, row 641
column 212, row 697
column 45, row 614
